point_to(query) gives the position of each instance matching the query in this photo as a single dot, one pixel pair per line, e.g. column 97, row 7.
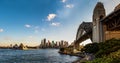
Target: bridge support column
column 76, row 45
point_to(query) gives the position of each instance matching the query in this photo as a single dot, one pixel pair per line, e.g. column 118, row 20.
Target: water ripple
column 34, row 56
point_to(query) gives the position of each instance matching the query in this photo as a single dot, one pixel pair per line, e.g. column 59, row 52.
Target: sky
column 29, row 21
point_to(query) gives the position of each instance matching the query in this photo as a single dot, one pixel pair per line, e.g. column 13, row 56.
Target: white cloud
column 55, row 24
column 1, row 30
column 64, row 1
column 69, row 6
column 51, row 17
column 27, row 26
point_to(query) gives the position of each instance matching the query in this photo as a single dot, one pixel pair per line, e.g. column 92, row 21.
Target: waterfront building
column 62, row 43
column 57, row 43
column 11, row 45
column 43, row 43
column 15, row 46
column 65, row 44
column 48, row 44
column 53, row 44
column 22, row 47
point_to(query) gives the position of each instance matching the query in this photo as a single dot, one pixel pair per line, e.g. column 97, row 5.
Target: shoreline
column 82, row 57
column 27, row 48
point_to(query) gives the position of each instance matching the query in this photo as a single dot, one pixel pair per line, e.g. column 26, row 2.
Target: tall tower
column 98, row 14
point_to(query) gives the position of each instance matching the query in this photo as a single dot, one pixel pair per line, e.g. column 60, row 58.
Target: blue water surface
column 34, row 56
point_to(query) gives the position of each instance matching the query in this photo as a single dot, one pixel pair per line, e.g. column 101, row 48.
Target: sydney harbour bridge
column 101, row 28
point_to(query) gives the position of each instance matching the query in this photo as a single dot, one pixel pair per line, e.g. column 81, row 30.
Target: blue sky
column 29, row 21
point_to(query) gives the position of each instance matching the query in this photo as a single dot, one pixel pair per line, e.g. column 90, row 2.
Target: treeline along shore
column 103, row 52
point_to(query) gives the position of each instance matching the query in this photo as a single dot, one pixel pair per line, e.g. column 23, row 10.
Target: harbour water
column 34, row 56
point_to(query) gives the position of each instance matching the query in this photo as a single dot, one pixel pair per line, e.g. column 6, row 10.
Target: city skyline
column 29, row 21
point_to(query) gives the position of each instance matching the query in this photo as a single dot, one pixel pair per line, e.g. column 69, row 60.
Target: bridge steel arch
column 84, row 32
